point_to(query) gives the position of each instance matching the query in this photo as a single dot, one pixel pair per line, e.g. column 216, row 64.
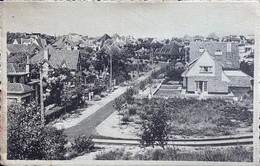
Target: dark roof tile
column 68, row 57
column 18, row 88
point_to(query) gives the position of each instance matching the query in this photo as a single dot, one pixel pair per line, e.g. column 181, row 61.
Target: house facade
column 19, row 87
column 214, row 69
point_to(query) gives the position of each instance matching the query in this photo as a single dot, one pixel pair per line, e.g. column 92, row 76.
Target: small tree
column 142, row 85
column 119, row 102
column 129, row 96
column 156, row 128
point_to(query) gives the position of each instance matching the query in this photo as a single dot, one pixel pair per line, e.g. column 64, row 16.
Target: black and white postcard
column 129, row 83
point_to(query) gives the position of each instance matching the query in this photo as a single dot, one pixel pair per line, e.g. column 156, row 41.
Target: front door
column 201, row 86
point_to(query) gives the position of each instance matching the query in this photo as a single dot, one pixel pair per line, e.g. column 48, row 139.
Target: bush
column 143, row 115
column 142, row 85
column 110, row 155
column 234, row 154
column 28, row 139
column 138, row 122
column 96, row 98
column 83, row 144
column 132, row 111
column 125, row 119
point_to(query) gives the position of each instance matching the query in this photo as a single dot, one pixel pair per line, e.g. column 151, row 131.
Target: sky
column 164, row 20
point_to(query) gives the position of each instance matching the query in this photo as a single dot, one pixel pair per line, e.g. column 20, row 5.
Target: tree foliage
column 156, row 128
column 29, row 139
column 119, row 102
column 129, row 96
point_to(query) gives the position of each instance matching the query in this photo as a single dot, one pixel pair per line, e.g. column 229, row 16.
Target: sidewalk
column 70, row 122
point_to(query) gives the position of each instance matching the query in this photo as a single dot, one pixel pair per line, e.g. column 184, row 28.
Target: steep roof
column 68, row 57
column 38, row 57
column 197, row 37
column 61, row 43
column 187, row 37
column 18, row 40
column 230, row 38
column 14, row 48
column 171, row 48
column 14, row 68
column 104, row 37
column 212, row 36
column 229, row 51
column 115, row 36
column 142, row 50
column 86, row 44
column 18, row 88
column 204, row 59
column 42, row 42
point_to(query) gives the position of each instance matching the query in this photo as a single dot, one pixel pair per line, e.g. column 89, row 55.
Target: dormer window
column 205, row 69
column 218, row 52
column 201, row 49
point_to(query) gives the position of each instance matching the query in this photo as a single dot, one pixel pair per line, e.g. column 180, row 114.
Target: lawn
column 197, row 118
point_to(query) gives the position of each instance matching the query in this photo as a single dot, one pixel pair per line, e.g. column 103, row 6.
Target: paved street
column 88, row 125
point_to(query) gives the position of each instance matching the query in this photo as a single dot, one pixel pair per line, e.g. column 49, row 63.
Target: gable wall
column 204, row 60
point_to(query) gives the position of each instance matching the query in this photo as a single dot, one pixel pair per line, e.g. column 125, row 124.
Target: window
column 10, row 79
column 205, row 69
column 205, row 86
column 201, row 86
column 201, row 49
column 17, row 79
column 218, row 52
column 197, row 85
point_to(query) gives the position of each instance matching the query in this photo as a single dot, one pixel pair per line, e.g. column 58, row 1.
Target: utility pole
column 138, row 64
column 110, row 79
column 111, row 72
column 152, row 54
column 41, row 95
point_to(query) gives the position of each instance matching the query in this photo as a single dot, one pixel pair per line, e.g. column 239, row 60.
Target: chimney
column 27, row 67
column 46, row 54
column 228, row 47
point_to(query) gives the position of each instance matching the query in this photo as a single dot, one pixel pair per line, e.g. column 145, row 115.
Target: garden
column 227, row 154
column 185, row 118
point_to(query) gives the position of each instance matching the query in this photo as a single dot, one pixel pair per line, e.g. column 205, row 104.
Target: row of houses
column 21, row 86
column 212, row 66
column 213, row 37
column 64, row 53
